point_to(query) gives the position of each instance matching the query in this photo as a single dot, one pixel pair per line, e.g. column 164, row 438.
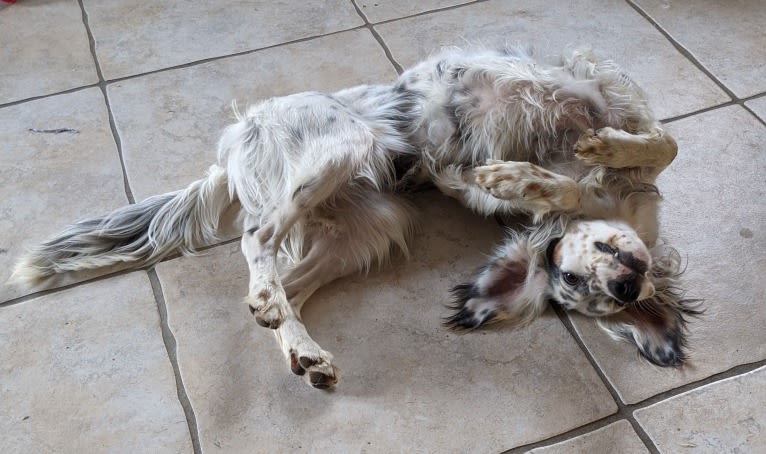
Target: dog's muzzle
column 630, row 288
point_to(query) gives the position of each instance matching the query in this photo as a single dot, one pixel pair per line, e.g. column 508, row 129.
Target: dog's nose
column 626, row 288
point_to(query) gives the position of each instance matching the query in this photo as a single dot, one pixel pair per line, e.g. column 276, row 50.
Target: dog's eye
column 571, row 278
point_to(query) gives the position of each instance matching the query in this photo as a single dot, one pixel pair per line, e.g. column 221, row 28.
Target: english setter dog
column 323, row 179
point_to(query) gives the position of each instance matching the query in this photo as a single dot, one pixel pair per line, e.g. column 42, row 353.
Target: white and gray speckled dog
column 569, row 140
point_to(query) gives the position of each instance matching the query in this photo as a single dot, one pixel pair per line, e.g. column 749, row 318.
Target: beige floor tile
column 714, row 214
column 407, row 384
column 381, row 10
column 85, row 370
column 170, row 122
column 724, row 417
column 758, row 106
column 53, row 179
column 613, row 29
column 614, row 438
column 44, row 49
column 726, row 37
column 136, row 37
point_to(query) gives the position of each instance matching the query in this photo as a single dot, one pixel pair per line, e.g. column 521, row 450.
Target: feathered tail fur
column 140, row 234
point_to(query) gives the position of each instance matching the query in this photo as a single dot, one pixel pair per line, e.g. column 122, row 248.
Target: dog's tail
column 140, row 234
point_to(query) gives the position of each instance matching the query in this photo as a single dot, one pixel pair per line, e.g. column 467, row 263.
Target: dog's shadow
column 385, row 328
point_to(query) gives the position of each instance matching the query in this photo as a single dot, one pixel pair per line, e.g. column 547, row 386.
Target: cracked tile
column 723, row 417
column 614, row 30
column 403, row 376
column 45, row 50
column 85, row 369
column 713, row 213
column 618, row 437
column 57, row 178
column 129, row 40
column 727, row 38
column 169, row 123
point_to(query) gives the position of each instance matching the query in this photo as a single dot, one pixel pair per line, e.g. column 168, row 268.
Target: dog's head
column 599, row 267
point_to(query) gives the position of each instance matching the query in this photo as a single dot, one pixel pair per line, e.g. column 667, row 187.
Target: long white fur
column 319, row 176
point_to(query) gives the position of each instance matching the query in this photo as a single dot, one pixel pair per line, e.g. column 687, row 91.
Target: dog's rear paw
column 315, row 365
column 267, row 307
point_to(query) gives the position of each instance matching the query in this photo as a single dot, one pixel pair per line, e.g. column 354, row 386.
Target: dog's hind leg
column 314, row 184
column 348, row 237
column 266, row 297
column 305, row 356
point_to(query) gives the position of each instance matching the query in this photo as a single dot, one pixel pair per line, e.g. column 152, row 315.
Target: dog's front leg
column 531, row 188
column 619, row 149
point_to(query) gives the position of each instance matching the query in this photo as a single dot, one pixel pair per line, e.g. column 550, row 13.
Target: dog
column 325, row 180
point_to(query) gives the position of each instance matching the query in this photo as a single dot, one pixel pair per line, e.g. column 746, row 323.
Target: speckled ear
column 512, row 286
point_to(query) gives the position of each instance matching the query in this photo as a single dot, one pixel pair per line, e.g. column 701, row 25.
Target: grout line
column 102, row 81
column 371, row 26
column 735, row 100
column 430, row 11
column 398, row 67
column 49, row 291
column 119, row 272
column 682, row 50
column 172, row 349
column 579, row 431
column 734, row 371
column 49, row 95
column 235, row 54
column 753, row 113
column 102, row 85
column 698, row 112
column 106, row 82
column 738, row 102
column 626, row 411
column 622, row 409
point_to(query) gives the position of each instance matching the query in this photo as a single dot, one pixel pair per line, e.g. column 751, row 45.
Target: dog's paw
column 529, row 185
column 510, row 180
column 268, row 306
column 598, row 147
column 315, row 365
column 617, row 148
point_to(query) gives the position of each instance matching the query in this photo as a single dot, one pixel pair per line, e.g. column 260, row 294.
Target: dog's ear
column 657, row 326
column 512, row 286
column 658, row 330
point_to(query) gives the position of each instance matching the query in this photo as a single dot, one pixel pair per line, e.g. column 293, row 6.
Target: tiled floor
column 170, row 360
